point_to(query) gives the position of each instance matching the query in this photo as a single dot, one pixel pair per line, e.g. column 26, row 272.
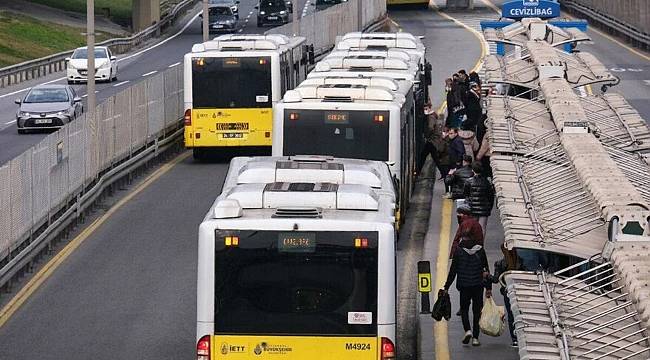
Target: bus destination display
column 296, row 242
column 337, row 117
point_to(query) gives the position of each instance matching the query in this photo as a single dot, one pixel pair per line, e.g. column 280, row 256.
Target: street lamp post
column 206, row 23
column 90, row 39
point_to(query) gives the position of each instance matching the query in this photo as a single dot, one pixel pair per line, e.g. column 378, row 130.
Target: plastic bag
column 492, row 320
column 442, row 307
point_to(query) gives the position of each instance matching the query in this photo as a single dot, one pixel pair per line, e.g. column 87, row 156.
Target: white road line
column 11, row 122
column 122, row 83
column 120, row 59
column 149, row 73
column 174, row 64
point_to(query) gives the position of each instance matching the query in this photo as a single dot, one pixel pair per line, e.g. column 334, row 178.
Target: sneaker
column 515, row 344
column 475, row 342
column 467, row 337
column 446, row 196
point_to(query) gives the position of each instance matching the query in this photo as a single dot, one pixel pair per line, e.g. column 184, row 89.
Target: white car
column 105, row 65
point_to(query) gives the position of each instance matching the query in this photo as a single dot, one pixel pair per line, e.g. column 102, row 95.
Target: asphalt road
column 129, row 291
column 155, row 58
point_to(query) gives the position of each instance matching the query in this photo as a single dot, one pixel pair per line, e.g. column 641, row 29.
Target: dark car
column 47, row 107
column 233, row 4
column 222, row 19
column 272, row 12
column 324, row 4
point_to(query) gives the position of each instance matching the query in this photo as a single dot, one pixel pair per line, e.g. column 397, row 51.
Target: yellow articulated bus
column 423, row 3
column 231, row 84
column 296, row 261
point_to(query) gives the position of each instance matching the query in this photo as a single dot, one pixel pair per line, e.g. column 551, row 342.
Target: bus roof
column 365, row 62
column 253, row 42
column 386, row 53
column 343, row 93
column 305, row 187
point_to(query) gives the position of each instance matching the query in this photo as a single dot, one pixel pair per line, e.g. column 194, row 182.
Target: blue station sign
column 519, row 9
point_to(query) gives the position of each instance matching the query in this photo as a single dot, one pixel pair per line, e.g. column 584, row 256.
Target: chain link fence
column 39, row 185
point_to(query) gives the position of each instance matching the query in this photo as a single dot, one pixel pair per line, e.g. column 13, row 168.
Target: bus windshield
column 232, row 82
column 297, row 283
column 345, row 134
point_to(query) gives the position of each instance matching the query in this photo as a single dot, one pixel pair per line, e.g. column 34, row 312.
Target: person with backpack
column 469, row 267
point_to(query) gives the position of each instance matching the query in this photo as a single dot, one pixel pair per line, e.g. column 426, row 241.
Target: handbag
column 442, row 306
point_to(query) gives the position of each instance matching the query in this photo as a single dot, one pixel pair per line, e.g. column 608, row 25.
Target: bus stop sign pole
column 424, row 285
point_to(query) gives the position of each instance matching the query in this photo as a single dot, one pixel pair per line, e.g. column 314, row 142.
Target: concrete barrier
column 630, row 18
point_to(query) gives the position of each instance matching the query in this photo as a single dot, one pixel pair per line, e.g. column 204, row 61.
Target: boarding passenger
column 479, row 194
column 470, row 266
column 509, row 262
column 456, row 150
column 473, row 108
column 456, row 181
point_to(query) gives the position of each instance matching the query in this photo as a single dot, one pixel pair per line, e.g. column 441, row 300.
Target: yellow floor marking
column 440, row 333
column 49, row 268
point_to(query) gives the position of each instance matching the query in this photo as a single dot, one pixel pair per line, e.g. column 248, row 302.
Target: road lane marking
column 174, row 64
column 440, row 329
column 118, row 60
column 121, row 83
column 149, row 73
column 11, row 122
column 35, row 283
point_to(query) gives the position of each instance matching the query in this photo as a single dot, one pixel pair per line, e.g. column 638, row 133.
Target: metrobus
column 298, row 269
column 230, row 85
column 351, row 118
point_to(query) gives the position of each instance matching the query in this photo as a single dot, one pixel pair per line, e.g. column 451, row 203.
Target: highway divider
column 322, row 27
column 48, row 189
column 630, row 18
column 33, row 69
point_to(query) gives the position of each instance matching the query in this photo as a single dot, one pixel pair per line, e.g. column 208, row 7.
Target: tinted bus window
column 231, row 82
column 346, row 134
column 296, row 283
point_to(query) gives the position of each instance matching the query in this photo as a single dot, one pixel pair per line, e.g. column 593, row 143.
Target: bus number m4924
column 357, row 346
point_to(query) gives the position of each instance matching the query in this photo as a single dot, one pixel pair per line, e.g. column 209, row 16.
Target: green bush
column 120, row 10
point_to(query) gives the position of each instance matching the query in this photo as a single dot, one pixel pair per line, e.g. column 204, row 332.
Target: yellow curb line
column 34, row 284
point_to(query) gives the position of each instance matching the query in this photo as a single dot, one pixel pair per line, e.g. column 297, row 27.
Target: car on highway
column 105, row 65
column 272, row 12
column 233, row 4
column 221, row 19
column 323, row 4
column 47, row 107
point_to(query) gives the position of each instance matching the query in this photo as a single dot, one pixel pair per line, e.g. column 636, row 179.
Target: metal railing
column 33, row 69
column 47, row 188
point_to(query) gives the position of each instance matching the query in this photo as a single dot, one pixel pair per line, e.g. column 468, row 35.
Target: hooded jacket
column 468, row 264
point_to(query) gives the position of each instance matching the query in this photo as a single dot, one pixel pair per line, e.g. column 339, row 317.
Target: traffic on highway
column 380, row 179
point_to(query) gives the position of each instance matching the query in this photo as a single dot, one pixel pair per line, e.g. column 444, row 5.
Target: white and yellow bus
column 231, row 84
column 296, row 260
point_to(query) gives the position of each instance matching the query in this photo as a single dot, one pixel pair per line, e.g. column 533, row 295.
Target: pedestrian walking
column 468, row 228
column 509, row 262
column 456, row 181
column 469, row 268
column 433, row 134
column 479, row 194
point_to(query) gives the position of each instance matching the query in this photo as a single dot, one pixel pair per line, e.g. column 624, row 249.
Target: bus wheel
column 198, row 154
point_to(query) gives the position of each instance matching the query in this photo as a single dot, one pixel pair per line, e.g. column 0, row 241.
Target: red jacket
column 470, row 230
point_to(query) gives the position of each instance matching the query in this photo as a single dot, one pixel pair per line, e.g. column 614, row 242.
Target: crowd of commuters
column 459, row 148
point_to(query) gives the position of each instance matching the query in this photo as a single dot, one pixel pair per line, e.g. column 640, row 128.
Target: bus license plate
column 233, row 136
column 43, row 121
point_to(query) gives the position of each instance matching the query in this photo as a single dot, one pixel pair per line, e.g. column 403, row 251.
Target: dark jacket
column 473, row 110
column 479, row 195
column 457, row 181
column 468, row 265
column 500, row 267
column 456, row 152
column 468, row 230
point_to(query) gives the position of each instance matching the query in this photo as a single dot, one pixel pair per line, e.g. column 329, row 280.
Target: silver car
column 47, row 107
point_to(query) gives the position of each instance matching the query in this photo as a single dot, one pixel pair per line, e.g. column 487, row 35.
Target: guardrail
column 48, row 188
column 32, row 69
column 612, row 15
